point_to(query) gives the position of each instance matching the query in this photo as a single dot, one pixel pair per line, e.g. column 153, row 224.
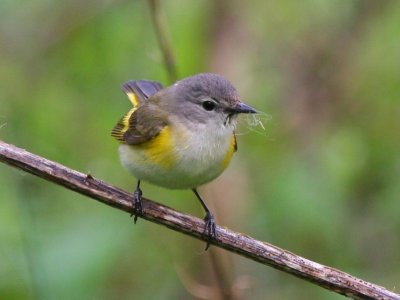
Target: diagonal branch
column 329, row 278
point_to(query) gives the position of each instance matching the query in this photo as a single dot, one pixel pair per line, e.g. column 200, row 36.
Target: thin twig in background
column 264, row 253
column 163, row 40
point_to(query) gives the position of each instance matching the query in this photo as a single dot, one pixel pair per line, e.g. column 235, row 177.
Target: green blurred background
column 322, row 179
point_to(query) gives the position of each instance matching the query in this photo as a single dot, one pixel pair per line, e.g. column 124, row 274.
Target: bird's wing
column 145, row 124
column 138, row 92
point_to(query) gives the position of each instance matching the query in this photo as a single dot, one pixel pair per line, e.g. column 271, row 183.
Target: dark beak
column 241, row 108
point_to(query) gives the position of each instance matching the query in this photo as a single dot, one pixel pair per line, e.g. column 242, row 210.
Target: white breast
column 198, row 157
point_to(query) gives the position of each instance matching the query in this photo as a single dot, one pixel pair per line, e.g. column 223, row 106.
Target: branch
column 163, row 41
column 267, row 254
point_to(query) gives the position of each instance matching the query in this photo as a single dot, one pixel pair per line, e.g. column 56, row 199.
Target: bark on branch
column 329, row 278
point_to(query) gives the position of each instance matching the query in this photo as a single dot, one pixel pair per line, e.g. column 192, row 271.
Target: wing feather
column 144, row 125
column 138, row 92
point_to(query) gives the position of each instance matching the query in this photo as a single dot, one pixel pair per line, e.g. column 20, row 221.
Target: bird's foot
column 137, row 204
column 209, row 228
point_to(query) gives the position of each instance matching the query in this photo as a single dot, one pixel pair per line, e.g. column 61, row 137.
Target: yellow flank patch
column 159, row 150
column 133, row 98
column 231, row 150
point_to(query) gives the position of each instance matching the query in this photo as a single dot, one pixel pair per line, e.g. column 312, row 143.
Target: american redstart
column 181, row 136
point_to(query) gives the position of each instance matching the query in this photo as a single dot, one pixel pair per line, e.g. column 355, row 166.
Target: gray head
column 206, row 98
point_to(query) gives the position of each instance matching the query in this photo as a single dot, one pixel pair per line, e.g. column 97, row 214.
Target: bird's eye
column 208, row 105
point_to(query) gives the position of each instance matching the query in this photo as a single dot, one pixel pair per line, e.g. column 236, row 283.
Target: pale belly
column 185, row 160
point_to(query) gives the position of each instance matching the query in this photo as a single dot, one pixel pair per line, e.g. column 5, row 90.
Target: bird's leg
column 137, row 202
column 209, row 220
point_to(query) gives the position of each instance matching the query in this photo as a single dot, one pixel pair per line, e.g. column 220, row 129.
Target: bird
column 181, row 136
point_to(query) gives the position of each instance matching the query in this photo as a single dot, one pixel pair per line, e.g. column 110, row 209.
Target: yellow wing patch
column 122, row 126
column 133, row 98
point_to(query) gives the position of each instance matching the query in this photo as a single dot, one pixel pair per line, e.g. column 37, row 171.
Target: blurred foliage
column 322, row 179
